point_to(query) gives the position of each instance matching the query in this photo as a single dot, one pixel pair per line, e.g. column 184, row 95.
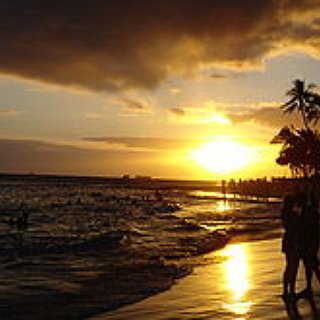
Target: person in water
column 290, row 217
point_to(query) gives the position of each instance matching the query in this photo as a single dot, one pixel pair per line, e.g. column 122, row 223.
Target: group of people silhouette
column 300, row 243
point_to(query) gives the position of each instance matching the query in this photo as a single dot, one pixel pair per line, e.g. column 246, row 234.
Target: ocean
column 72, row 248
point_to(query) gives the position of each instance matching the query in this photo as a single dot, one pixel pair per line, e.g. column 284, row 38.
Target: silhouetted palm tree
column 300, row 151
column 305, row 101
column 301, row 147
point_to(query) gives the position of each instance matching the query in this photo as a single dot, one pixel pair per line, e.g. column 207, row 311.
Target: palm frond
column 291, row 108
column 313, row 116
column 293, row 99
column 311, row 86
column 291, row 92
column 313, row 98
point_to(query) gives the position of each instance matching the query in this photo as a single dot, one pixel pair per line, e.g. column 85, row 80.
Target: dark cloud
column 269, row 116
column 43, row 157
column 119, row 44
column 144, row 143
column 134, row 104
column 217, row 75
column 7, row 113
column 177, row 111
column 25, row 156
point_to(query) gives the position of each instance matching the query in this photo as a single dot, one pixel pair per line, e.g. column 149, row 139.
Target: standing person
column 309, row 235
column 290, row 217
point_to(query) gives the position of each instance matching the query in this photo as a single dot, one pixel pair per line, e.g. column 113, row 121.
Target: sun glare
column 223, row 156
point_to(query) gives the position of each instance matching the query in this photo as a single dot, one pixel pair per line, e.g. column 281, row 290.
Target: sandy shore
column 241, row 281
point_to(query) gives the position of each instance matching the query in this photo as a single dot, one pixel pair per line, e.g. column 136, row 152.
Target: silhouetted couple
column 300, row 219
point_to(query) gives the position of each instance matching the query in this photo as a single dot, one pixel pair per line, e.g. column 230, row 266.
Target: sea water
column 93, row 246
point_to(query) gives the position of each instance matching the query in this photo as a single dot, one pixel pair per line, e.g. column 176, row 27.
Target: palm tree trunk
column 303, row 112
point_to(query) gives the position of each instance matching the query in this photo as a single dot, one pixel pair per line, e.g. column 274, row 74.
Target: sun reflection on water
column 237, row 273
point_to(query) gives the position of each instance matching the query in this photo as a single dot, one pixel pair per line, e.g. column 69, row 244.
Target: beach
column 241, row 281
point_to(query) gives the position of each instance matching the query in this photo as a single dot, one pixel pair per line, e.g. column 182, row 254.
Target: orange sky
column 146, row 87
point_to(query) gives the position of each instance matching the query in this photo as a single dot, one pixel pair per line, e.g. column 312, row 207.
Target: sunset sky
column 155, row 88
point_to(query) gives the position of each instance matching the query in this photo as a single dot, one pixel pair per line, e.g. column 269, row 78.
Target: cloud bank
column 147, row 144
column 45, row 157
column 121, row 44
column 137, row 156
column 272, row 117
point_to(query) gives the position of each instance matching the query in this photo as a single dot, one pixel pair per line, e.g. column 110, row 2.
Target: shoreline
column 110, row 291
column 181, row 271
column 88, row 296
column 214, row 289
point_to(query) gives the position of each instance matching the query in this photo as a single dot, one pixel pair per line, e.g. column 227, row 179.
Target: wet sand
column 241, row 281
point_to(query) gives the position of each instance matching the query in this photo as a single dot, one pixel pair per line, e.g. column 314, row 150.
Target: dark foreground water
column 89, row 247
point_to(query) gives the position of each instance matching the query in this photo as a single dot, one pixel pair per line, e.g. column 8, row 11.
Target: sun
column 223, row 156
